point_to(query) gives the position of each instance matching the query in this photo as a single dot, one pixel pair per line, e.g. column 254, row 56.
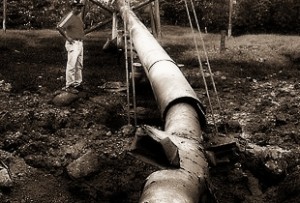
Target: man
column 71, row 28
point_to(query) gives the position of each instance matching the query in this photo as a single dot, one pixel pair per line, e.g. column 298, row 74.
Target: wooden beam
column 98, row 25
column 106, row 8
column 140, row 5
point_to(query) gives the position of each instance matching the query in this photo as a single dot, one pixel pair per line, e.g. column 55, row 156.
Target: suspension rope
column 206, row 55
column 127, row 72
column 200, row 64
column 133, row 79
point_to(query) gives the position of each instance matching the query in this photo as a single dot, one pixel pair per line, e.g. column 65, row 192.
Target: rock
column 19, row 168
column 73, row 151
column 64, row 99
column 253, row 185
column 128, row 130
column 84, row 165
column 272, row 159
column 290, row 187
column 281, row 119
column 113, row 86
column 5, row 180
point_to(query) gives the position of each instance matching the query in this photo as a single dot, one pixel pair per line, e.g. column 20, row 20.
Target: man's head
column 76, row 3
column 76, row 6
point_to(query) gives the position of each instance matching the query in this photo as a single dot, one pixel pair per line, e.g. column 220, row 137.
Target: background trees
column 249, row 16
column 267, row 16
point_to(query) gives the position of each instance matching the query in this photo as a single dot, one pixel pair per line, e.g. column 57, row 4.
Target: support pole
column 223, row 41
column 4, row 14
column 157, row 17
column 153, row 20
column 230, row 18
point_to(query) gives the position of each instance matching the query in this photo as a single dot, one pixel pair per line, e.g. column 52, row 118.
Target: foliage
column 249, row 16
column 267, row 16
column 252, row 15
column 34, row 13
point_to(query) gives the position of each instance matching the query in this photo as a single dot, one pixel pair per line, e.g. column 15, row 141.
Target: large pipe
column 168, row 83
column 183, row 115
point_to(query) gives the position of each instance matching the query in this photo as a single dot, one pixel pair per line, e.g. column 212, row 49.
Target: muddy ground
column 40, row 140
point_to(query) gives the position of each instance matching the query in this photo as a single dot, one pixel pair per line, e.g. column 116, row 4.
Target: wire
column 133, row 80
column 127, row 72
column 206, row 56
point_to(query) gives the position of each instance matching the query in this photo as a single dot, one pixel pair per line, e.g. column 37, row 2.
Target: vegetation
column 259, row 56
column 33, row 52
column 249, row 16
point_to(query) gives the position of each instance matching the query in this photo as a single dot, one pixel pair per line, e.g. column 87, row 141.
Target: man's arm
column 64, row 34
column 61, row 27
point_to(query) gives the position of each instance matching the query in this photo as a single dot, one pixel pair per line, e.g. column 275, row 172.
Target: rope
column 133, row 80
column 200, row 64
column 206, row 56
column 127, row 72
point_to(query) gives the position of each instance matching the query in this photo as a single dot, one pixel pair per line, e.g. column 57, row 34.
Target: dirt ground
column 40, row 140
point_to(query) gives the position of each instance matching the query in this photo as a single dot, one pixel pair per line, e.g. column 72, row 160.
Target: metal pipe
column 184, row 117
column 168, row 83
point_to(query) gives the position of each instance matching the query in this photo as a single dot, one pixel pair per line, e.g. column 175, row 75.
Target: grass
column 37, row 58
column 256, row 56
column 28, row 55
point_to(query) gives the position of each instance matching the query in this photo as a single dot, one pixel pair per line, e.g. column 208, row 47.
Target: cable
column 133, row 80
column 200, row 64
column 127, row 72
column 206, row 56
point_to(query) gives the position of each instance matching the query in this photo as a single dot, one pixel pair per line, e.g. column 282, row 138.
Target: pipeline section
column 168, row 83
column 184, row 117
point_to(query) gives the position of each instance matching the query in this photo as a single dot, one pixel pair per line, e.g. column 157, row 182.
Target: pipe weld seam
column 170, row 60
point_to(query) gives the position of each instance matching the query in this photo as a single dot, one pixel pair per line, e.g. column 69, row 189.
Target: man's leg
column 79, row 65
column 73, row 53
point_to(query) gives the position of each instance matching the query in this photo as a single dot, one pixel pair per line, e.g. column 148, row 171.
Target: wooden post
column 223, row 38
column 157, row 18
column 153, row 20
column 4, row 14
column 230, row 18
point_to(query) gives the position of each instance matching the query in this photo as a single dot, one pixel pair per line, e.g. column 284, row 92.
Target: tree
column 285, row 16
column 250, row 16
